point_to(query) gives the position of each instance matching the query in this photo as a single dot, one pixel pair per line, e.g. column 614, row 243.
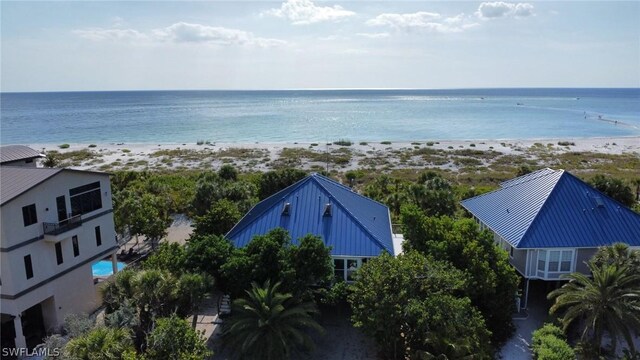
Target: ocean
column 316, row 115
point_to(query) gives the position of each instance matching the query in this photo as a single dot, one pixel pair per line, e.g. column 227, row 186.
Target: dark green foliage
column 614, row 188
column 273, row 257
column 141, row 214
column 273, row 181
column 270, row 325
column 51, row 159
column 207, row 254
column 549, row 344
column 211, row 187
column 494, row 282
column 398, row 301
column 523, row 170
column 100, row 344
column 171, row 257
column 228, row 172
column 222, row 216
column 174, row 338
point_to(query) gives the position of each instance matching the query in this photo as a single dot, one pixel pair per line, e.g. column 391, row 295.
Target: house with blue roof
column 355, row 227
column 551, row 223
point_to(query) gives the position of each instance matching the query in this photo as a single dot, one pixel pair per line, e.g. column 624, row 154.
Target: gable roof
column 552, row 208
column 356, row 226
column 16, row 180
column 10, row 153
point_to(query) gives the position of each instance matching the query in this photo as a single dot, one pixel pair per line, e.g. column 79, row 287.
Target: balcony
column 57, row 231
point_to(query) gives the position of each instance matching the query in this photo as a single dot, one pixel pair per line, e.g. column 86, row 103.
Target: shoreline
column 383, row 155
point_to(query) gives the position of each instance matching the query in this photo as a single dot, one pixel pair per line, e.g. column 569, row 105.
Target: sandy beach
column 318, row 156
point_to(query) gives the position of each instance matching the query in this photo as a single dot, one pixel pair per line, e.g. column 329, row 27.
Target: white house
column 551, row 223
column 54, row 225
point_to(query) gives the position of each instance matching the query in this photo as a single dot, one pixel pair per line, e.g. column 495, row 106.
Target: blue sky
column 108, row 45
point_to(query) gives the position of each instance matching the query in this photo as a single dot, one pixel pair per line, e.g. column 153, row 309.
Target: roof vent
column 286, row 209
column 599, row 201
column 327, row 210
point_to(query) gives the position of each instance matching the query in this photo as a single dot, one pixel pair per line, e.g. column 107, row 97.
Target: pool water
column 104, row 268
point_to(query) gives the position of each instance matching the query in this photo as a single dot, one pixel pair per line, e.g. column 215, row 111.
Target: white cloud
column 498, row 9
column 374, row 35
column 423, row 20
column 182, row 32
column 195, row 33
column 110, row 34
column 303, row 12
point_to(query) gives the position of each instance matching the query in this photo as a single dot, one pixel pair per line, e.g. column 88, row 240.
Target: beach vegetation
column 472, row 145
column 126, row 151
column 273, row 181
column 385, row 142
column 364, row 143
column 416, row 143
column 64, row 146
column 51, row 159
column 101, row 343
column 270, row 324
column 219, row 219
column 343, row 142
column 92, row 145
column 566, row 143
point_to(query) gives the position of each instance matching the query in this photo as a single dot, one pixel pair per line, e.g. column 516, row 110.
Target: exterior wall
column 583, row 255
column 519, row 261
column 63, row 288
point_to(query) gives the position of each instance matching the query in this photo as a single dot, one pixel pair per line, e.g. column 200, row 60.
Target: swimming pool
column 104, row 268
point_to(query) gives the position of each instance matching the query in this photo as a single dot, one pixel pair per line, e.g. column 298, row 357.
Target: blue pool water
column 316, row 116
column 104, row 268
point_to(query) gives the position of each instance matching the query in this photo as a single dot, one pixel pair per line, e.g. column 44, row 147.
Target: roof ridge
column 350, row 190
column 542, row 206
column 530, row 176
column 510, row 186
column 290, row 188
column 357, row 221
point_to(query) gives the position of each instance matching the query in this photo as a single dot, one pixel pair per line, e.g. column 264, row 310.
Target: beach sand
column 319, row 156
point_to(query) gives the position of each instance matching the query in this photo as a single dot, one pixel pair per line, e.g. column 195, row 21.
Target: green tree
column 169, row 256
column 273, row 181
column 174, row 338
column 142, row 214
column 615, row 188
column 269, row 325
column 494, row 282
column 220, row 218
column 51, row 159
column 100, row 344
column 548, row 343
column 228, row 172
column 207, row 254
column 607, row 303
column 310, row 263
column 618, row 254
column 384, row 288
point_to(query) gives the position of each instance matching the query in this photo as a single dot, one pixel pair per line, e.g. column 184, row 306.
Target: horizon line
column 315, row 89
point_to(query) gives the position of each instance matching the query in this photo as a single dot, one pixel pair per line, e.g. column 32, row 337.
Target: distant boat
column 519, row 104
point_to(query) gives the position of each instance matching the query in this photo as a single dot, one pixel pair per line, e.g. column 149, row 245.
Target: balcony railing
column 62, row 226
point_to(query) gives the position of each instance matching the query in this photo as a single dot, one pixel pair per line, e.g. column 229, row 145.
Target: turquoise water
column 104, row 268
column 317, row 116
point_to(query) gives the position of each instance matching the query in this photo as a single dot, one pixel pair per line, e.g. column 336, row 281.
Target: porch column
column 526, row 294
column 21, row 342
column 114, row 262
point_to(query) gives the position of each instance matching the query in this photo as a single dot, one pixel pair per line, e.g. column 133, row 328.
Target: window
column 59, row 258
column 28, row 268
column 554, row 261
column 76, row 248
column 98, row 236
column 352, row 266
column 542, row 259
column 29, row 215
column 565, row 263
column 85, row 199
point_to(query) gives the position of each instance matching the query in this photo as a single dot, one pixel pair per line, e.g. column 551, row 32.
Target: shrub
column 430, row 143
column 343, row 142
column 548, row 344
column 200, row 142
column 566, row 143
column 385, row 142
column 64, row 146
column 363, row 143
column 473, row 145
column 92, row 145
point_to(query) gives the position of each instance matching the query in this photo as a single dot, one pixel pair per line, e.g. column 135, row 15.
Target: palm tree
column 608, row 303
column 618, row 254
column 269, row 325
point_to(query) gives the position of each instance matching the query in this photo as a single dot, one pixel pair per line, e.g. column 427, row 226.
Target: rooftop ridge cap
column 350, row 190
column 357, row 221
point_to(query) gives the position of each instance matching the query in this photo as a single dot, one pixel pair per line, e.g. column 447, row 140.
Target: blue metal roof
column 357, row 226
column 552, row 208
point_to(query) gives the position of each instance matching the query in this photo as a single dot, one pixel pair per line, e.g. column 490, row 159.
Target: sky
column 305, row 44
